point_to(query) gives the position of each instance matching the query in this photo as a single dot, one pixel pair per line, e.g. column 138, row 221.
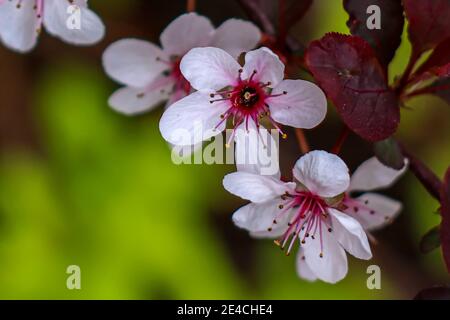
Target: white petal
column 131, row 101
column 303, row 105
column 372, row 174
column 267, row 65
column 323, row 173
column 175, row 96
column 256, row 151
column 303, row 270
column 192, row 119
column 133, row 62
column 350, row 234
column 209, row 69
column 373, row 211
column 332, row 267
column 236, row 36
column 254, row 187
column 57, row 15
column 18, row 26
column 186, row 32
column 258, row 218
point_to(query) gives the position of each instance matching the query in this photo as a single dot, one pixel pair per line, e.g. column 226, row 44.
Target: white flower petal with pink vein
column 332, row 266
column 258, row 217
column 303, row 270
column 323, row 173
column 350, row 234
column 131, row 101
column 303, row 106
column 18, row 25
column 254, row 187
column 374, row 210
column 372, row 174
column 133, row 62
column 236, row 36
column 91, row 31
column 209, row 69
column 186, row 32
column 192, row 117
column 267, row 65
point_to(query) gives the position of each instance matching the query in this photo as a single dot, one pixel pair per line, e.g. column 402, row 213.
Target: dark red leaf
column 445, row 223
column 429, row 23
column 348, row 71
column 439, row 57
column 435, row 293
column 384, row 41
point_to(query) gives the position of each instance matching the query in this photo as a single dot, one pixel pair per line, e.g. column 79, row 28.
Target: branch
column 427, row 177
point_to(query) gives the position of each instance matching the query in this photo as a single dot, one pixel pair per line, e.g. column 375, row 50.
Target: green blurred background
column 80, row 184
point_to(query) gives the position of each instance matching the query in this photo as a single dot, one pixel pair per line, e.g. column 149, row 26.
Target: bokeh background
column 80, row 184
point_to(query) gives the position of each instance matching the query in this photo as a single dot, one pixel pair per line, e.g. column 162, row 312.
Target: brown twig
column 341, row 139
column 302, row 141
column 191, row 4
column 427, row 177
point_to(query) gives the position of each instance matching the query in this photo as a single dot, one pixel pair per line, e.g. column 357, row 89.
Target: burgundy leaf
column 429, row 23
column 438, row 58
column 445, row 223
column 384, row 41
column 348, row 71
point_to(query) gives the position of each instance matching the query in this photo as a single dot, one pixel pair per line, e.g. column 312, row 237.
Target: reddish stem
column 341, row 139
column 427, row 90
column 282, row 33
column 403, row 82
column 191, row 4
column 302, row 141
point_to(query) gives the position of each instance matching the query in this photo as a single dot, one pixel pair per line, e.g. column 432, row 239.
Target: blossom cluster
column 222, row 78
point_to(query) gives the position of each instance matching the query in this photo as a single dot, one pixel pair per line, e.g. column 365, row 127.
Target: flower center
column 307, row 216
column 247, row 101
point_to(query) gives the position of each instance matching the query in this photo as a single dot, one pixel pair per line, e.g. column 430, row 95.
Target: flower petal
column 332, row 266
column 350, row 234
column 192, row 120
column 133, row 62
column 267, row 65
column 323, row 173
column 56, row 20
column 18, row 25
column 372, row 174
column 209, row 69
column 188, row 31
column 303, row 270
column 131, row 101
column 373, row 211
column 300, row 104
column 236, row 36
column 256, row 150
column 254, row 187
column 258, row 218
